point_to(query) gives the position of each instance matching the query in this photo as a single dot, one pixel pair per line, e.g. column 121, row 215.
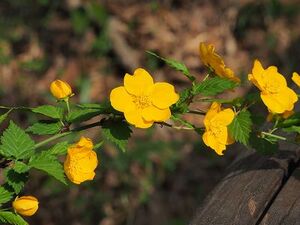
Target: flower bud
column 81, row 161
column 26, row 205
column 60, row 89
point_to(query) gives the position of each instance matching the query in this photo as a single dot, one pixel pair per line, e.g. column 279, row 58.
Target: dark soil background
column 165, row 174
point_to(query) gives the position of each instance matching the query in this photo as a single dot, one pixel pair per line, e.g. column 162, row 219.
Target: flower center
column 272, row 87
column 216, row 130
column 141, row 101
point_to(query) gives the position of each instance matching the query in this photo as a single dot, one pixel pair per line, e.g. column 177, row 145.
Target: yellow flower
column 212, row 60
column 81, row 161
column 60, row 89
column 142, row 101
column 296, row 78
column 275, row 93
column 216, row 134
column 26, row 205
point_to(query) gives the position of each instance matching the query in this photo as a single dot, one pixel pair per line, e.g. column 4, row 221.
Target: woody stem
column 57, row 136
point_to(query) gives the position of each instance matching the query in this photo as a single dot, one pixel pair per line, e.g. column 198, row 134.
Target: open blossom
column 216, row 134
column 275, row 93
column 142, row 101
column 81, row 161
column 212, row 60
column 60, row 89
column 26, row 205
column 296, row 79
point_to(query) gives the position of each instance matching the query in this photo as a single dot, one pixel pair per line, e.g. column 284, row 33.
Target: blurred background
column 91, row 44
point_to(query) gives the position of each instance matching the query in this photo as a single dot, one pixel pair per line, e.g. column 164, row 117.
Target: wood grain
column 248, row 189
column 285, row 209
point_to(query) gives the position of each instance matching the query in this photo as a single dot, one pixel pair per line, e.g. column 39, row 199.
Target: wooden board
column 248, row 189
column 285, row 210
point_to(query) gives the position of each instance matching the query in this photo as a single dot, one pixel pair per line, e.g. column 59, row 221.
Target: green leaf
column 182, row 121
column 104, row 107
column 11, row 218
column 292, row 129
column 5, row 195
column 118, row 132
column 16, row 143
column 81, row 115
column 21, row 167
column 48, row 163
column 262, row 145
column 293, row 120
column 49, row 111
column 15, row 180
column 183, row 103
column 175, row 65
column 213, row 86
column 59, row 149
column 240, row 127
column 45, row 128
column 4, row 116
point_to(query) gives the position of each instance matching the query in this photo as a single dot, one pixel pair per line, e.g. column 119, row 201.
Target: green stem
column 68, row 104
column 214, row 100
column 14, row 108
column 57, row 136
column 175, row 127
column 196, row 112
column 274, row 136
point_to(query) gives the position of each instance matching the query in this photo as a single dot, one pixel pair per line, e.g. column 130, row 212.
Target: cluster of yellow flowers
column 144, row 102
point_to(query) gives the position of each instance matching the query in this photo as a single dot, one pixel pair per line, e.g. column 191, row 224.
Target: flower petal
column 257, row 74
column 135, row 118
column 280, row 102
column 214, row 109
column 153, row 113
column 296, row 79
column 121, row 100
column 224, row 117
column 138, row 83
column 213, row 143
column 164, row 95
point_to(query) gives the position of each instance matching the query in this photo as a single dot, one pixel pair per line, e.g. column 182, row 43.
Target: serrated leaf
column 213, row 86
column 45, row 128
column 49, row 111
column 240, row 127
column 80, row 115
column 11, row 218
column 48, row 163
column 182, row 121
column 5, row 195
column 15, row 180
column 175, row 65
column 16, row 143
column 118, row 132
column 21, row 167
column 59, row 149
column 104, row 107
column 262, row 146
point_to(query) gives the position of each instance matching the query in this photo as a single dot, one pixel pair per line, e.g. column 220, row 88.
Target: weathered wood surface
column 250, row 189
column 285, row 209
